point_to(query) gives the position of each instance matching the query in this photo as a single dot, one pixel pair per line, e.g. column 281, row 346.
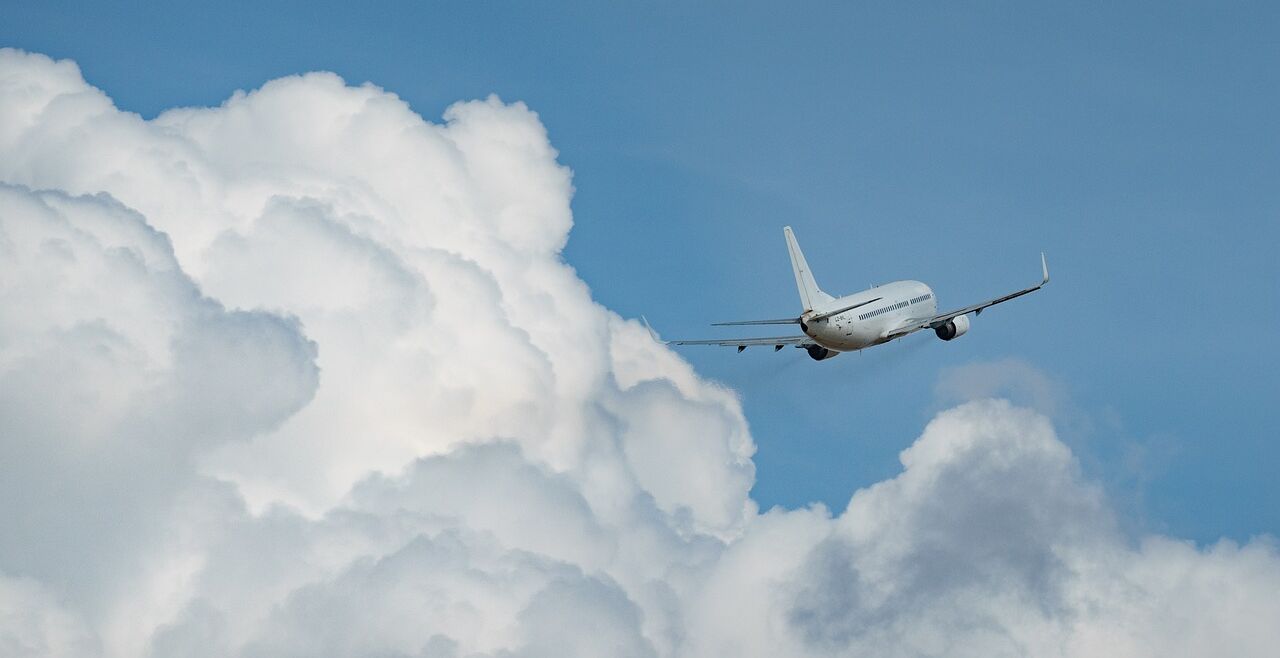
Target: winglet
column 653, row 334
column 1044, row 265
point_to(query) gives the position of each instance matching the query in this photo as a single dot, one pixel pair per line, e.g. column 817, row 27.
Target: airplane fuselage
column 867, row 325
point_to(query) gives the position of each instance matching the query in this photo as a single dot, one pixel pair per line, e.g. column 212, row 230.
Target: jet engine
column 818, row 352
column 954, row 328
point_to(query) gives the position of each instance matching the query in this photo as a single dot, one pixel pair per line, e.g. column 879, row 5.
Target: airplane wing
column 908, row 327
column 912, row 326
column 743, row 343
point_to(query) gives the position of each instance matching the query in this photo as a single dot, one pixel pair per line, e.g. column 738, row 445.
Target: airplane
column 834, row 325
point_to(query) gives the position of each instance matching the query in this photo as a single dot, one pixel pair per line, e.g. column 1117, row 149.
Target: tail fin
column 810, row 294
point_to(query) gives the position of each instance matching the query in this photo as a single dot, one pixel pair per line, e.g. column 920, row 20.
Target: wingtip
column 1044, row 267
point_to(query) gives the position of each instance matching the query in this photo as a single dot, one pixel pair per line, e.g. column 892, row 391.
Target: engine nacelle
column 954, row 328
column 818, row 352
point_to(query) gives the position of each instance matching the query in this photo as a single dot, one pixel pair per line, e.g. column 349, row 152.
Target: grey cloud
column 987, row 506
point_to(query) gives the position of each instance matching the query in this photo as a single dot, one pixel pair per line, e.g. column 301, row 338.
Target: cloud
column 304, row 374
column 33, row 624
column 116, row 374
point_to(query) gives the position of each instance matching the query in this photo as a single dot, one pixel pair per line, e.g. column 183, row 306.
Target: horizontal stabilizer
column 838, row 311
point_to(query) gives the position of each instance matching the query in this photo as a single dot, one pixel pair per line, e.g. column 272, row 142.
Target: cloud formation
column 304, row 375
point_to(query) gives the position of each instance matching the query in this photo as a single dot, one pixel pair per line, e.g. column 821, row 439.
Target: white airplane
column 833, row 325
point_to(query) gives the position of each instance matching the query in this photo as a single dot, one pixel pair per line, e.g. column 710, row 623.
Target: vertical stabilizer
column 810, row 294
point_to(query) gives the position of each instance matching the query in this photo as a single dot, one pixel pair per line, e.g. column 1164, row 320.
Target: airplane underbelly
column 844, row 337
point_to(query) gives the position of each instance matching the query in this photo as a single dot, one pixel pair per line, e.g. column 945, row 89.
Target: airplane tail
column 810, row 294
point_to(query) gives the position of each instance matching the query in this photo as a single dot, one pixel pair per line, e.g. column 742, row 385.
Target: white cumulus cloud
column 305, row 375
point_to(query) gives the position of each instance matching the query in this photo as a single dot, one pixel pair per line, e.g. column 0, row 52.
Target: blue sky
column 1137, row 145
